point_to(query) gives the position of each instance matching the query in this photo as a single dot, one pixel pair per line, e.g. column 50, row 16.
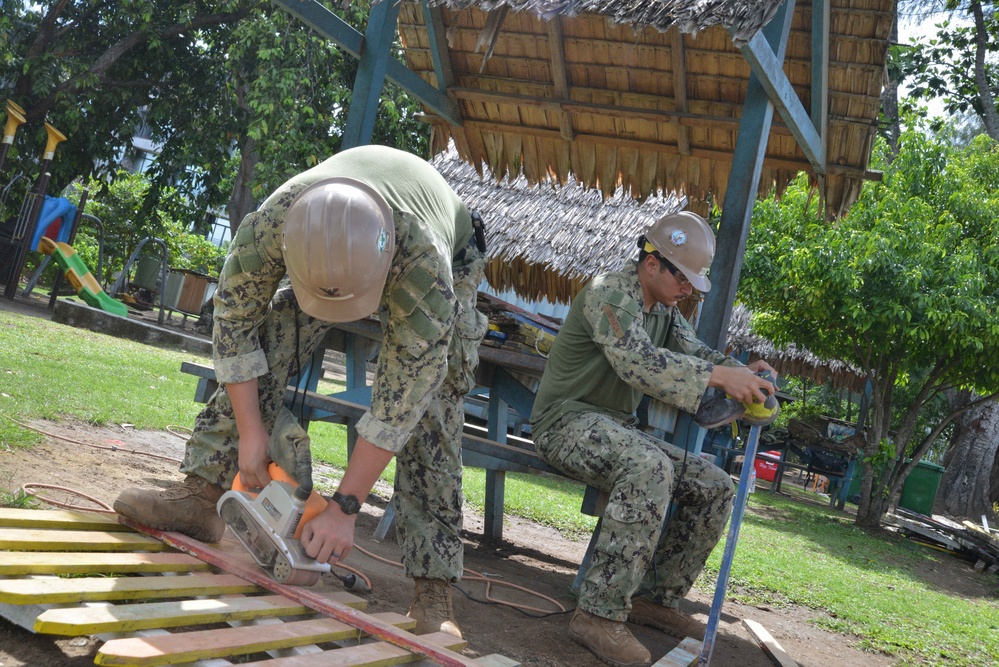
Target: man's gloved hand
column 718, row 408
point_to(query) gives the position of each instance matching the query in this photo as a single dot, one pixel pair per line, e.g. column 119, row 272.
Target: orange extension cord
column 104, row 508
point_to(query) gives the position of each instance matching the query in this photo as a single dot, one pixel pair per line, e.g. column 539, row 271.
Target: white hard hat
column 339, row 238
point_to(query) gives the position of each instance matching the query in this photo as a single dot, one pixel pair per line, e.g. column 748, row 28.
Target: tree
column 904, row 287
column 208, row 80
column 966, row 488
column 958, row 64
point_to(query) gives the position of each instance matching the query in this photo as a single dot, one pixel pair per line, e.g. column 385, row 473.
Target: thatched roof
column 640, row 96
column 791, row 360
column 547, row 241
column 743, row 18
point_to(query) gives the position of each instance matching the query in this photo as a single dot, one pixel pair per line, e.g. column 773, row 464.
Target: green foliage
column 204, row 81
column 943, row 66
column 18, row 499
column 904, row 287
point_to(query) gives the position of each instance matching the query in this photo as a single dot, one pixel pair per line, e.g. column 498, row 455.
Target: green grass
column 789, row 552
column 793, row 552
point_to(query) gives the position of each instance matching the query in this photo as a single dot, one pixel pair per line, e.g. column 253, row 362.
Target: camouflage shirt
column 609, row 353
column 418, row 305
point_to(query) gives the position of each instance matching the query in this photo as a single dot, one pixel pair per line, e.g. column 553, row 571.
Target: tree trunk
column 241, row 201
column 965, row 489
column 985, row 97
column 889, row 100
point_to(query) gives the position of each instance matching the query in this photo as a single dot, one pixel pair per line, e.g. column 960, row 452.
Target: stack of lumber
column 515, row 329
column 976, row 543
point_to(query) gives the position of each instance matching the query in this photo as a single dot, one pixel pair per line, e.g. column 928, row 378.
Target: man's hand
column 253, row 458
column 760, row 366
column 742, row 383
column 329, row 537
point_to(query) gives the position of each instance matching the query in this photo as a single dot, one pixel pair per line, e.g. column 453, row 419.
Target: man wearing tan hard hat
column 371, row 229
column 625, row 338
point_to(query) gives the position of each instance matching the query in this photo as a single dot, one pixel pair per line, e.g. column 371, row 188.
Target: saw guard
column 286, row 560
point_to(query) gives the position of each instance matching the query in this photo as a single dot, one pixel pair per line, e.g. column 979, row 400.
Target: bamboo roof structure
column 546, row 241
column 641, row 97
column 791, row 360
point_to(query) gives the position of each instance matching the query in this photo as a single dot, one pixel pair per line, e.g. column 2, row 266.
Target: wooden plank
column 378, row 654
column 224, row 642
column 27, row 539
column 769, row 645
column 685, row 654
column 67, row 562
column 60, row 519
column 140, row 616
column 55, row 590
column 328, row 607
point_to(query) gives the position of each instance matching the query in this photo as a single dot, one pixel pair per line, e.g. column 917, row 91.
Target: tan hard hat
column 339, row 238
column 686, row 240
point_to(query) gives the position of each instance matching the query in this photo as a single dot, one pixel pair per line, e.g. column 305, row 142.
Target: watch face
column 349, row 504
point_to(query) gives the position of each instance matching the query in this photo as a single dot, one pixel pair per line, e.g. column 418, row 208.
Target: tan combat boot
column 185, row 507
column 671, row 621
column 432, row 608
column 609, row 640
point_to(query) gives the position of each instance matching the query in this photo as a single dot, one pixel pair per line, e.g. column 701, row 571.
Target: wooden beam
column 679, row 87
column 327, row 607
column 769, row 645
column 820, row 68
column 743, row 186
column 769, row 72
column 559, row 76
column 434, row 20
column 370, row 78
column 330, row 25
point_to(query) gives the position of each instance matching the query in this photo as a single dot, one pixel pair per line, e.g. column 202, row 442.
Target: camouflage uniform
column 607, row 355
column 426, row 364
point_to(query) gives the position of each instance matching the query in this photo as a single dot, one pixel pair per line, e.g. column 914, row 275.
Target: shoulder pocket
column 243, row 256
column 421, row 308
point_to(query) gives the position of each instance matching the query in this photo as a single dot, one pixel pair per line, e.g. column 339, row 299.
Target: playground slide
column 80, row 277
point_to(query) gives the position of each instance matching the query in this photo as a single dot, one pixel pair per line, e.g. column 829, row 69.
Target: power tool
column 269, row 524
column 718, row 408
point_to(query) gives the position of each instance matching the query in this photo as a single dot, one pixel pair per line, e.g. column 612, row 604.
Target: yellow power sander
column 718, row 408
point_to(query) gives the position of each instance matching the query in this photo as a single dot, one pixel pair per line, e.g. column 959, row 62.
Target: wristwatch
column 349, row 504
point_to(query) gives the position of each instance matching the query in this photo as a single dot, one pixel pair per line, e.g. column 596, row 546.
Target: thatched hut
column 647, row 96
column 546, row 241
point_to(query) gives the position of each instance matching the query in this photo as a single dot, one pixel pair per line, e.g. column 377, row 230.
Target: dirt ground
column 103, row 461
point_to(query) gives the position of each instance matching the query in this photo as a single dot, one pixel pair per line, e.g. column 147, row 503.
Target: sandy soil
column 103, row 461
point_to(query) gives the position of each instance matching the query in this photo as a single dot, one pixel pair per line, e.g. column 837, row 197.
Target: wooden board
column 57, row 590
column 366, row 655
column 77, row 621
column 67, row 562
column 60, row 519
column 769, row 645
column 31, row 539
column 684, row 654
column 39, row 547
column 222, row 642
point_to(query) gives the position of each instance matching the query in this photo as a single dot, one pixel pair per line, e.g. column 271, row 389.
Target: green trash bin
column 919, row 491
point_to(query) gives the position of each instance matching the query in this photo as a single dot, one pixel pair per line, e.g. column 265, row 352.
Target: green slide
column 80, row 277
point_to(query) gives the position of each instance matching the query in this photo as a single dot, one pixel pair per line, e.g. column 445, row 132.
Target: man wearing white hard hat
column 371, row 229
column 624, row 338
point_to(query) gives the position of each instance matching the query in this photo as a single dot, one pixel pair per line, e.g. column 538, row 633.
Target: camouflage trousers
column 428, row 495
column 633, row 554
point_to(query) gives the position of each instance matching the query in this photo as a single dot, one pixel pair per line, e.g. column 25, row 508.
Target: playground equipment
column 80, row 277
column 15, row 118
column 120, row 283
column 30, row 212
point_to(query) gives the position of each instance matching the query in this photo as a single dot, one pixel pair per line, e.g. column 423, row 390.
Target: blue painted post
column 743, row 184
column 375, row 55
column 733, row 537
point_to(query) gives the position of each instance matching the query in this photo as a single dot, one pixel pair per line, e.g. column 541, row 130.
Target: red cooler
column 766, row 465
